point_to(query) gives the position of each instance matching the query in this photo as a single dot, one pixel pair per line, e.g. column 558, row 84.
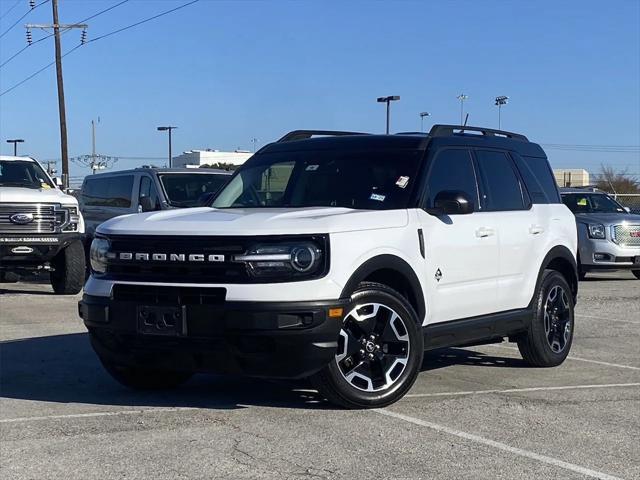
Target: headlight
column 279, row 260
column 596, row 230
column 69, row 218
column 98, row 254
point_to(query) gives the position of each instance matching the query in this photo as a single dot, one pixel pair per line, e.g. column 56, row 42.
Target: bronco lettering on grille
column 171, row 257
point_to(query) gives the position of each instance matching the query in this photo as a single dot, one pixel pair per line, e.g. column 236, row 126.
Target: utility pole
column 51, row 167
column 57, row 27
column 94, row 161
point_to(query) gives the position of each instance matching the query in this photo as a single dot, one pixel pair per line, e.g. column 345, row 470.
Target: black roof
column 454, row 135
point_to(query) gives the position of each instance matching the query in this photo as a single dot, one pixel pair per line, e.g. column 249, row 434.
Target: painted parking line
column 607, row 319
column 99, row 414
column 498, row 445
column 521, row 390
column 579, row 359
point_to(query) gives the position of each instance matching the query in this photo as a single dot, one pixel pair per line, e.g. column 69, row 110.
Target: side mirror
column 452, row 202
column 57, row 181
column 146, row 204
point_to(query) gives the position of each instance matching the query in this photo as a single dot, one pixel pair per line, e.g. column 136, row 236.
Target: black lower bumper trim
column 265, row 339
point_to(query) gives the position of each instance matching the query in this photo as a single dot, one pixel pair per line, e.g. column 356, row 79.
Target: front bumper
column 605, row 254
column 32, row 250
column 264, row 339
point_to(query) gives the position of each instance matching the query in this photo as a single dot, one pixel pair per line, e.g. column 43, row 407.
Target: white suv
column 342, row 258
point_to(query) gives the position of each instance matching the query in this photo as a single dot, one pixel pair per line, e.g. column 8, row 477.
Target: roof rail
column 305, row 134
column 449, row 130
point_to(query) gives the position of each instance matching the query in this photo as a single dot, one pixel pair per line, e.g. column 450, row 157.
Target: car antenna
column 466, row 118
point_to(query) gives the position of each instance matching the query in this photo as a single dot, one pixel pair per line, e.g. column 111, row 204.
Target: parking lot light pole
column 500, row 101
column 422, row 115
column 388, row 100
column 15, row 142
column 462, row 97
column 168, row 129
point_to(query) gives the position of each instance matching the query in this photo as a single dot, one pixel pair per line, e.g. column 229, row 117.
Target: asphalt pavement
column 473, row 413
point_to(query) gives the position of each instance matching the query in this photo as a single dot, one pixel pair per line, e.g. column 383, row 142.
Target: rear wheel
column 379, row 353
column 145, row 378
column 636, row 273
column 548, row 340
column 67, row 276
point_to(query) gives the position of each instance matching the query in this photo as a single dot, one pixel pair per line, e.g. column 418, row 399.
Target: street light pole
column 500, row 101
column 15, row 142
column 422, row 115
column 168, row 129
column 388, row 101
column 462, row 97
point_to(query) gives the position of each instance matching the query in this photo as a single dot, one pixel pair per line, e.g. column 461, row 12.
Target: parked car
column 608, row 233
column 342, row 259
column 107, row 195
column 40, row 226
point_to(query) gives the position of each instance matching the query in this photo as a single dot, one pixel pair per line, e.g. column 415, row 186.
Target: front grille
column 46, row 218
column 627, row 235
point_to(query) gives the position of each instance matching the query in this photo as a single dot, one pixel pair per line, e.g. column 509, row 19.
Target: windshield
column 191, row 189
column 376, row 180
column 591, row 203
column 23, row 173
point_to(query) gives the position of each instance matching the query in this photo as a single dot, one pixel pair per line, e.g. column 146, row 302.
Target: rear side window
column 538, row 179
column 108, row 192
column 501, row 185
column 452, row 170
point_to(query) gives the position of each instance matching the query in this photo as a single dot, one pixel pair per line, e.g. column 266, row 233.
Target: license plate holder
column 167, row 321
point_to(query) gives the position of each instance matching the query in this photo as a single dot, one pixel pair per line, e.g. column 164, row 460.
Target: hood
column 253, row 221
column 608, row 218
column 35, row 195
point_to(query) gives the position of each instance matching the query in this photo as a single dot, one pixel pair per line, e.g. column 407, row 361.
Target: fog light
column 600, row 256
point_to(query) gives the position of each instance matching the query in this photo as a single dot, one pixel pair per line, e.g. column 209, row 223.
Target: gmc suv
column 342, row 257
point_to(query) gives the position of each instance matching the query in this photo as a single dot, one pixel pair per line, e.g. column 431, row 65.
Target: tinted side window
column 501, row 186
column 541, row 169
column 148, row 189
column 452, row 170
column 108, row 192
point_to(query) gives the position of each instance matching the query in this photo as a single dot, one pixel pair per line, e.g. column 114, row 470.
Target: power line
column 20, row 19
column 62, row 33
column 10, row 8
column 96, row 39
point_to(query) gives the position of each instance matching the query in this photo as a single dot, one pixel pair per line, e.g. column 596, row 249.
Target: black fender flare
column 559, row 251
column 388, row 262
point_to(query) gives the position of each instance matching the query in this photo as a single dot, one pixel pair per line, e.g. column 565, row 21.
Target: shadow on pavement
column 64, row 369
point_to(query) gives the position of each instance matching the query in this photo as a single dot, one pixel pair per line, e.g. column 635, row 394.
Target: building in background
column 197, row 158
column 571, row 177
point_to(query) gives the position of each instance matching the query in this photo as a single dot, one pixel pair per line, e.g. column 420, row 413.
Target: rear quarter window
column 108, row 192
column 538, row 179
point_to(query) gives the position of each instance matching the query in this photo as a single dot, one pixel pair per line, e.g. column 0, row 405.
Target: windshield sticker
column 402, row 182
column 312, row 168
column 44, row 185
column 378, row 197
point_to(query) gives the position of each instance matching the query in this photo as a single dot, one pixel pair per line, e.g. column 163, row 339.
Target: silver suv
column 608, row 234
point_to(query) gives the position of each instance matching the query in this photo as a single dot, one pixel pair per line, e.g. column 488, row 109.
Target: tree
column 617, row 182
column 221, row 166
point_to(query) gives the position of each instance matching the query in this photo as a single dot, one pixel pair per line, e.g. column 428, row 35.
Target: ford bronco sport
column 342, row 258
column 40, row 226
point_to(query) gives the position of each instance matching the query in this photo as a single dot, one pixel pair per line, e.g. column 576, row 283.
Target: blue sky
column 225, row 72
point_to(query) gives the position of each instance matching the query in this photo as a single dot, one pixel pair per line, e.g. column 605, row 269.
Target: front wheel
column 548, row 340
column 67, row 277
column 636, row 273
column 379, row 353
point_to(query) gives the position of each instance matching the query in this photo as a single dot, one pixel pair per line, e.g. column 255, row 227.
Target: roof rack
column 450, row 130
column 305, row 134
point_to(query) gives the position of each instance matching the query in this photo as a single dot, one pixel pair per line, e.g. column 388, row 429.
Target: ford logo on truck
column 21, row 218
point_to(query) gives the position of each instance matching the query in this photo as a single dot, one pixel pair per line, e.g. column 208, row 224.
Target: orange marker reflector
column 335, row 312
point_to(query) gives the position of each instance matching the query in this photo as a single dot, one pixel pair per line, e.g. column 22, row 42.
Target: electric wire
column 95, row 40
column 62, row 33
column 20, row 19
column 10, row 8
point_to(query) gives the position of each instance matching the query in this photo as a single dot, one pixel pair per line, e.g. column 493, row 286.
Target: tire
column 548, row 340
column 67, row 277
column 145, row 379
column 382, row 337
column 9, row 277
column 636, row 273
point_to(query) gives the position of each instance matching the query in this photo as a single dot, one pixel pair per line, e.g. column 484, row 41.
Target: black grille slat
column 161, row 295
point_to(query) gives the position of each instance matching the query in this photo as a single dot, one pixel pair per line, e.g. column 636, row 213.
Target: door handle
column 535, row 229
column 483, row 232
